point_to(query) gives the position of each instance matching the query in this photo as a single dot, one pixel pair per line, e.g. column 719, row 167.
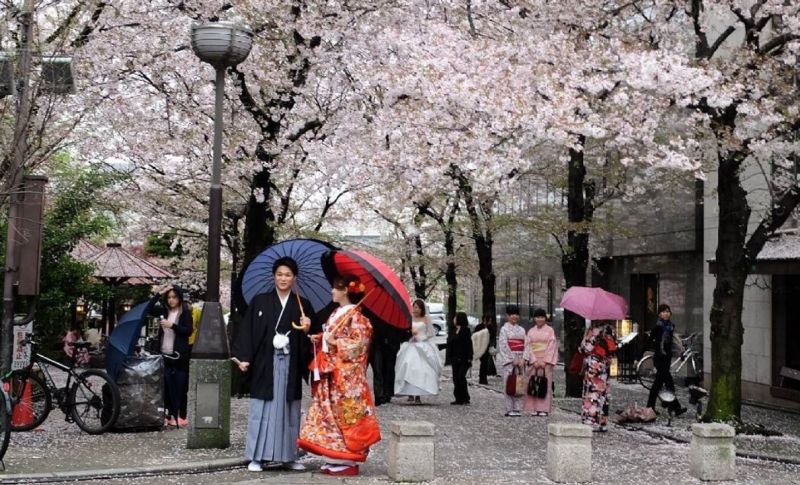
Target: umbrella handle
column 302, row 312
column 299, row 303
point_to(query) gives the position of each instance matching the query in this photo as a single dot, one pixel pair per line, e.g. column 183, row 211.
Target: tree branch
column 777, row 42
column 777, row 216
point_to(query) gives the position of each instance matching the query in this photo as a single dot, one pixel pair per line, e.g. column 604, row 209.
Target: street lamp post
column 11, row 269
column 223, row 45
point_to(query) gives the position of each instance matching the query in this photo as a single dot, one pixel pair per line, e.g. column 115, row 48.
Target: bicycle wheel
column 30, row 400
column 5, row 424
column 696, row 363
column 94, row 401
column 646, row 371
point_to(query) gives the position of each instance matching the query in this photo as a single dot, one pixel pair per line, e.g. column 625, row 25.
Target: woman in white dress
column 418, row 365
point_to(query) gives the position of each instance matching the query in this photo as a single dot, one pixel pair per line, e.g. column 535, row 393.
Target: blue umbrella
column 311, row 281
column 124, row 337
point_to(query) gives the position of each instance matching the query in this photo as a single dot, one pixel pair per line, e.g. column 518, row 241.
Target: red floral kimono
column 340, row 423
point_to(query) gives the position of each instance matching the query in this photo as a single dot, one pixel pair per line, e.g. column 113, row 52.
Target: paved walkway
column 474, row 444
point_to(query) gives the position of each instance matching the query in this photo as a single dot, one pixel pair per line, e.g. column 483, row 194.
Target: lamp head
column 221, row 44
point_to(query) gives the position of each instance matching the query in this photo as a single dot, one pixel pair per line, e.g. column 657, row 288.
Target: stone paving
column 474, row 444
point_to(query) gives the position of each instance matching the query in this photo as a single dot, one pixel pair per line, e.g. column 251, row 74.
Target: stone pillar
column 712, row 454
column 411, row 451
column 569, row 452
column 209, row 406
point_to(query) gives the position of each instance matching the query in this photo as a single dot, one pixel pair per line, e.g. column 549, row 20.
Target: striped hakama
column 273, row 426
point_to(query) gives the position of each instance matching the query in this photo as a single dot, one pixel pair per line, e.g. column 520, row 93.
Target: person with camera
column 660, row 342
column 175, row 326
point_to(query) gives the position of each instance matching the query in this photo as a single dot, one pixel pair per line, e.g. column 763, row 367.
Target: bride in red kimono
column 340, row 425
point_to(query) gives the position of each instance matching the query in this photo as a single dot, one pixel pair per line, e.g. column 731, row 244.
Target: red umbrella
column 387, row 297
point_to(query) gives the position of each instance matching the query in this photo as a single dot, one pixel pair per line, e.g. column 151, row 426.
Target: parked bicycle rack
column 626, row 358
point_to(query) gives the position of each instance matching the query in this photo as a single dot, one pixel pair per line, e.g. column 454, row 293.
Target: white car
column 438, row 317
column 438, row 322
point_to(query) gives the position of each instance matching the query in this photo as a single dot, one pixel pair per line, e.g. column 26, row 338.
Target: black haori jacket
column 253, row 343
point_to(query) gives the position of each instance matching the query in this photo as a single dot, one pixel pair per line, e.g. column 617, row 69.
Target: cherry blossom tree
column 752, row 115
column 156, row 121
column 729, row 69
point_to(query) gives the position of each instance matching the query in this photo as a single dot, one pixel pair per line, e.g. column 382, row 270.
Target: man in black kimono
column 276, row 354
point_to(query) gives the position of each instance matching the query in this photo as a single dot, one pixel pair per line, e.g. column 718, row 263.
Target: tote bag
column 515, row 383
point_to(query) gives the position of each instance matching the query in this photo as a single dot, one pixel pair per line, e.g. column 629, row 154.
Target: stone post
column 411, row 451
column 569, row 452
column 209, row 406
column 712, row 454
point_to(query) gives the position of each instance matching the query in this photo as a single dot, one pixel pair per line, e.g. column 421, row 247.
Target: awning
column 779, row 256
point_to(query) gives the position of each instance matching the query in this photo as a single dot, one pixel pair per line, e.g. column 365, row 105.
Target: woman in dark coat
column 175, row 316
column 459, row 342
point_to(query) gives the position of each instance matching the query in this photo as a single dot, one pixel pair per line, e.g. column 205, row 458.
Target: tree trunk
column 575, row 256
column 450, row 277
column 259, row 221
column 446, row 220
column 727, row 331
column 483, row 246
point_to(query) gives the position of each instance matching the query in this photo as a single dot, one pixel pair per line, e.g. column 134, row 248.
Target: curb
column 169, row 469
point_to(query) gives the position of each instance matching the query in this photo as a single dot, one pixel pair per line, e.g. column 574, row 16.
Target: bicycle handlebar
column 28, row 318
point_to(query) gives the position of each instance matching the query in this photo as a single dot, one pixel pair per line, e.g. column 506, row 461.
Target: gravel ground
column 474, row 444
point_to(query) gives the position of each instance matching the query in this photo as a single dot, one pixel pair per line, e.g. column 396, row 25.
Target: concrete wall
column 679, row 278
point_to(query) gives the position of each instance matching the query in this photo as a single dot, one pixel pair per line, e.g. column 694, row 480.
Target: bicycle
column 646, row 371
column 90, row 398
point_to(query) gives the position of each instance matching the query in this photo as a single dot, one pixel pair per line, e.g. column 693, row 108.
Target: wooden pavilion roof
column 116, row 265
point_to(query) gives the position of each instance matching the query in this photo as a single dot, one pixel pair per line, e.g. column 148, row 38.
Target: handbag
column 537, row 384
column 515, row 383
column 576, row 363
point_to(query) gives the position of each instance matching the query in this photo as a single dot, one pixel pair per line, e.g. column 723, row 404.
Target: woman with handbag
column 510, row 349
column 340, row 425
column 541, row 355
column 597, row 347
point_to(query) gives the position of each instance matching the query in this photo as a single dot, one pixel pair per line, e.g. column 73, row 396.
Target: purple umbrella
column 594, row 303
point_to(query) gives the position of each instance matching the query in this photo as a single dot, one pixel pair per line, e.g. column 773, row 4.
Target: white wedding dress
column 418, row 366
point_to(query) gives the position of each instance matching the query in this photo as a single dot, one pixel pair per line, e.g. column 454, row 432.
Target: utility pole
column 11, row 273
